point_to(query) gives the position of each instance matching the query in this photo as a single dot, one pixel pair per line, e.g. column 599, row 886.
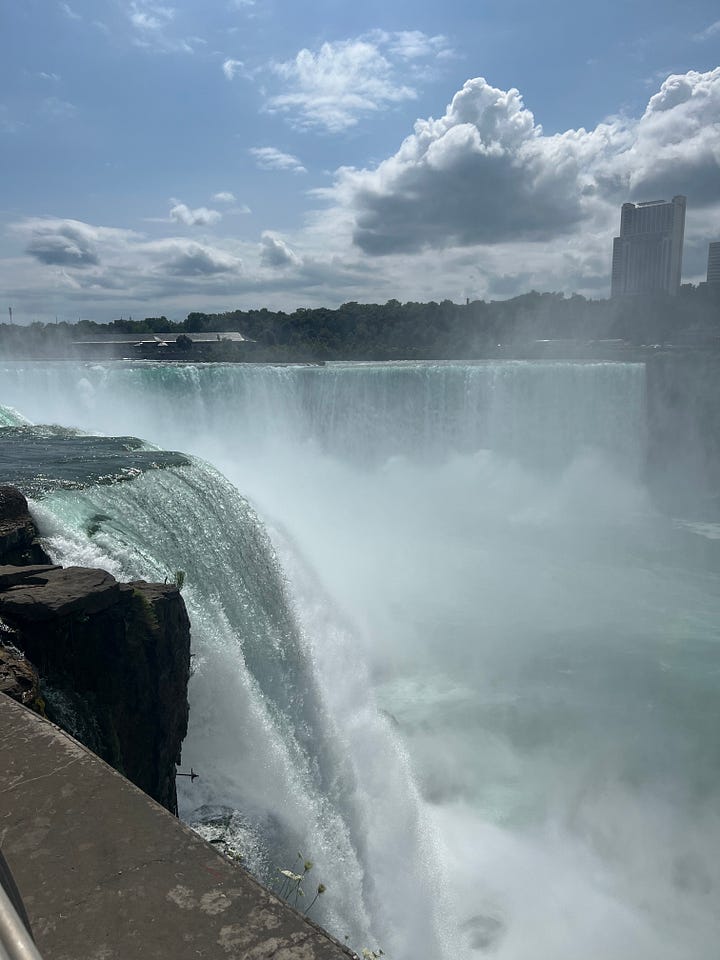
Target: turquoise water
column 39, row 459
column 444, row 641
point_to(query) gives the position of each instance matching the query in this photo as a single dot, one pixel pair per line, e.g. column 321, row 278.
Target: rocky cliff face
column 18, row 677
column 18, row 535
column 113, row 658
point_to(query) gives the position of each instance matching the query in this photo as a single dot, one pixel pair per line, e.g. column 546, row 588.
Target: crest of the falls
column 11, row 418
column 541, row 413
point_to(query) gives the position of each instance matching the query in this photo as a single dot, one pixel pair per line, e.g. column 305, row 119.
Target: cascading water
column 262, row 733
column 541, row 413
column 469, row 548
column 11, row 418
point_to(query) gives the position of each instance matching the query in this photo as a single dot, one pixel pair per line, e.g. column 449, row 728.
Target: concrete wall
column 108, row 874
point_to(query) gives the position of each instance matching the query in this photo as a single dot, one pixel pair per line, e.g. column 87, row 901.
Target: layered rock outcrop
column 18, row 677
column 18, row 535
column 113, row 658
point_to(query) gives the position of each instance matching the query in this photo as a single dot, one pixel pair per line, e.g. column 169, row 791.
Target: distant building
column 647, row 256
column 713, row 271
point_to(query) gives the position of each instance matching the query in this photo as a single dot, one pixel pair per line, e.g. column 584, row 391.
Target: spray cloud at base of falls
column 469, row 548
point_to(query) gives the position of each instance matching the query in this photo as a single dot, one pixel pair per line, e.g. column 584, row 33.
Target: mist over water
column 477, row 680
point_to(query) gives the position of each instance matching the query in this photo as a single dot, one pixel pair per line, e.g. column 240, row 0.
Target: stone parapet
column 108, row 874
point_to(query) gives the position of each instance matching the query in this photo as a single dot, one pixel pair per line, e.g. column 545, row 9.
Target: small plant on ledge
column 290, row 887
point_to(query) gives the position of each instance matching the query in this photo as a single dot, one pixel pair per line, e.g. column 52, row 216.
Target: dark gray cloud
column 71, row 243
column 274, row 252
column 66, row 248
column 474, row 200
column 195, row 260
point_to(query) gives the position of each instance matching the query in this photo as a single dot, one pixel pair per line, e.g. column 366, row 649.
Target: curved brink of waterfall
column 9, row 417
column 540, row 412
column 295, row 749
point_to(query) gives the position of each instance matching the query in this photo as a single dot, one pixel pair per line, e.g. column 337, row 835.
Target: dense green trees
column 447, row 330
column 412, row 330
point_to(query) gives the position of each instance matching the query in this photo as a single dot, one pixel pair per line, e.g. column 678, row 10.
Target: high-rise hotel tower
column 713, row 271
column 647, row 256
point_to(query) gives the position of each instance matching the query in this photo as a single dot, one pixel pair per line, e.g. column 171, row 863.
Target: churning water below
column 451, row 651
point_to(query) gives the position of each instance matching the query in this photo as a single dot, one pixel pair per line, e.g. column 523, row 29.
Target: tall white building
column 713, row 271
column 647, row 256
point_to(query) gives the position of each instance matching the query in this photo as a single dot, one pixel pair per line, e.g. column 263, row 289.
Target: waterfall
column 298, row 751
column 10, row 417
column 444, row 644
column 539, row 412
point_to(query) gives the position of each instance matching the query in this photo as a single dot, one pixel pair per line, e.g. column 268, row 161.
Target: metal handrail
column 15, row 941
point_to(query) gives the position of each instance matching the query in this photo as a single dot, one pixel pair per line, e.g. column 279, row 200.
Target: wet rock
column 115, row 662
column 52, row 591
column 18, row 535
column 19, row 678
column 113, row 658
column 10, row 575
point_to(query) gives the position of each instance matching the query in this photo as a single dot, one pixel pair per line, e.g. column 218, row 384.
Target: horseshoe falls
column 444, row 643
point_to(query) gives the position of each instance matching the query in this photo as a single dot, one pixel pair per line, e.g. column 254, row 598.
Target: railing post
column 15, row 940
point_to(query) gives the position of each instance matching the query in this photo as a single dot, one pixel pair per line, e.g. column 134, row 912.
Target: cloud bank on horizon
column 353, row 200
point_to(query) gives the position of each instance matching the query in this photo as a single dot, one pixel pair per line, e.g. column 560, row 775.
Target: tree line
column 412, row 330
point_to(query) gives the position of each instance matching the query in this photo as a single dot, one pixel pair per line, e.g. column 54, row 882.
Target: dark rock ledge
column 109, row 662
column 18, row 535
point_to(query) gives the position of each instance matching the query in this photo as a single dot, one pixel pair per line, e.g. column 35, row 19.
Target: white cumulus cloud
column 189, row 259
column 274, row 252
column 484, row 173
column 231, row 67
column 151, row 23
column 199, row 217
column 270, row 158
column 413, row 44
column 95, row 270
column 224, row 196
column 676, row 143
column 345, row 80
column 69, row 12
column 711, row 31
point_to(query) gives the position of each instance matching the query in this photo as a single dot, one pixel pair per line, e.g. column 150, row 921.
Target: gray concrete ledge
column 108, row 874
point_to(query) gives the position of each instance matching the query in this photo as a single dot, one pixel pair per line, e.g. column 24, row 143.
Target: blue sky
column 160, row 157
